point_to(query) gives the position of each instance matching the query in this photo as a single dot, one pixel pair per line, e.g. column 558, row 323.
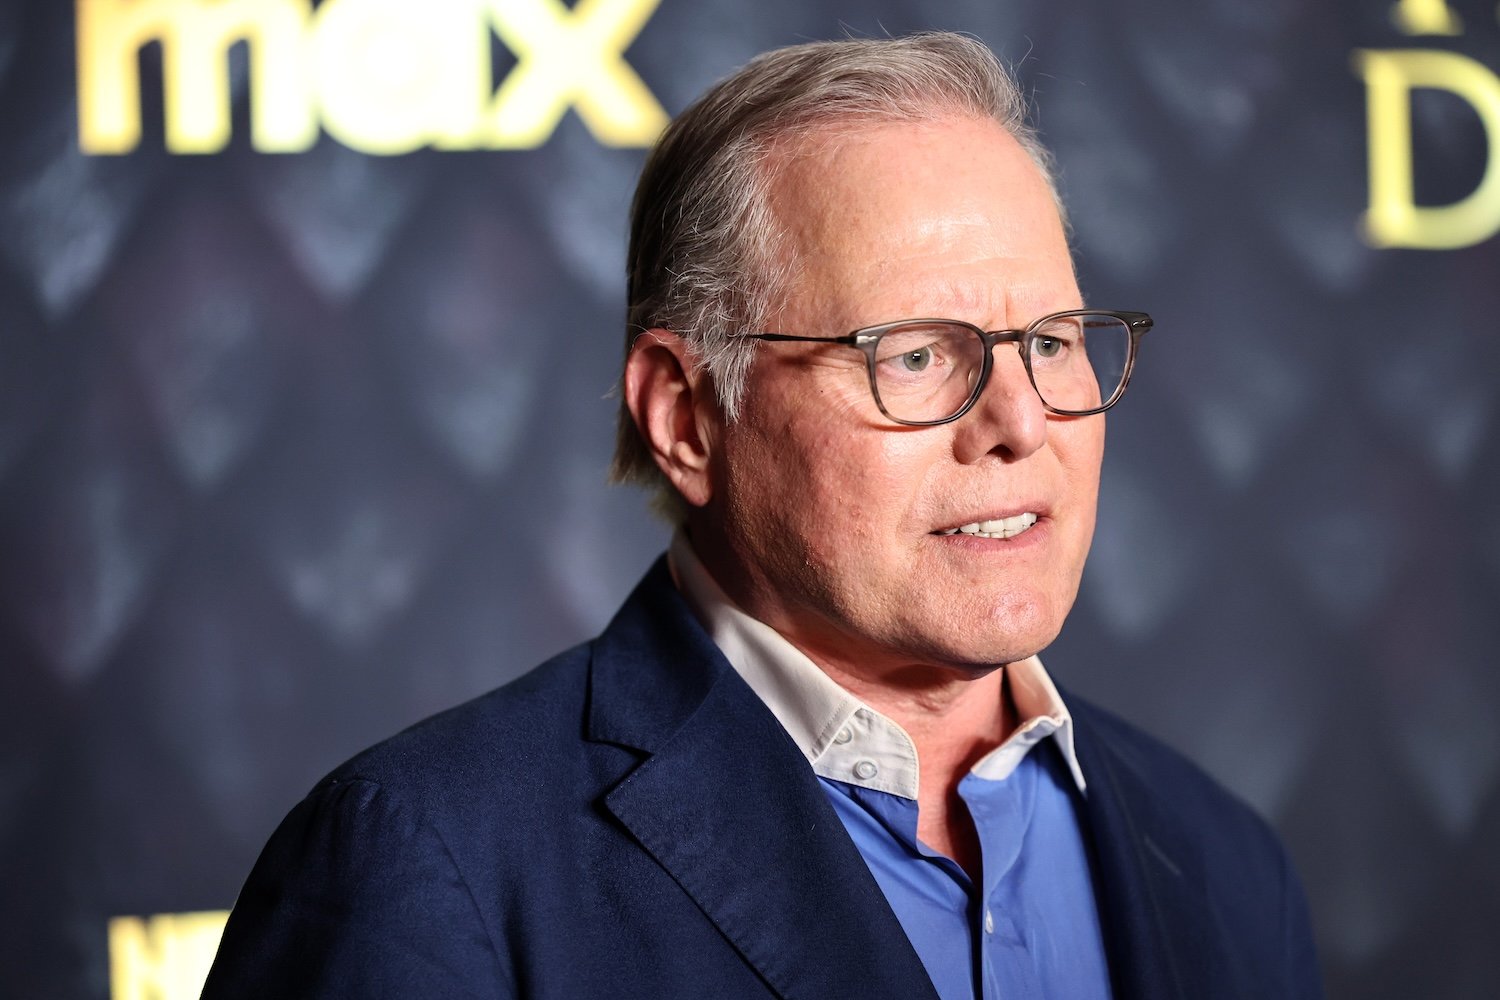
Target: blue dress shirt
column 1032, row 930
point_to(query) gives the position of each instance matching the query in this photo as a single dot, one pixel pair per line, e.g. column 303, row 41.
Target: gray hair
column 707, row 257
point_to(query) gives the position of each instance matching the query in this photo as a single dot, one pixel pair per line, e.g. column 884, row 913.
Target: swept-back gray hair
column 707, row 257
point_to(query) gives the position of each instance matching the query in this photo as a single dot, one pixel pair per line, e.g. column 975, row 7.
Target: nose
column 1008, row 418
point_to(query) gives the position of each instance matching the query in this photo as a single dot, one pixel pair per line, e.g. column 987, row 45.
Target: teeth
column 1005, row 527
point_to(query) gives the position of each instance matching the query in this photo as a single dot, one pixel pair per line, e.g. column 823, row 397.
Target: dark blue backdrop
column 296, row 448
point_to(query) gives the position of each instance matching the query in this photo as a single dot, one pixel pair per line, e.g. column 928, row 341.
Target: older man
column 815, row 754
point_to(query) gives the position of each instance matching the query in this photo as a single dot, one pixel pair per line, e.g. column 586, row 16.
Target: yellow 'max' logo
column 380, row 76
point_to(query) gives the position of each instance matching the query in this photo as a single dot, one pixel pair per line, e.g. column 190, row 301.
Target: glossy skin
column 819, row 516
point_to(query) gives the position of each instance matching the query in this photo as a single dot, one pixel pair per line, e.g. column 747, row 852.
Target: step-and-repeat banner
column 309, row 315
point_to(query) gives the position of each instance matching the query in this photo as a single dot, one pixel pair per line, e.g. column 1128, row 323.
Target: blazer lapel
column 728, row 806
column 1155, row 917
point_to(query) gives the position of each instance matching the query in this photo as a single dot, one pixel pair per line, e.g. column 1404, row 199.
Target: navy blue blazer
column 629, row 820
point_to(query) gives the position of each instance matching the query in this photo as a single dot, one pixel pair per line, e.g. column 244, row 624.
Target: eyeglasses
column 925, row 372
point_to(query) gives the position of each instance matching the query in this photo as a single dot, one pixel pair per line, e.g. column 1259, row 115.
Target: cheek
column 1081, row 454
column 830, row 492
column 874, row 473
column 1079, row 447
column 818, row 483
column 817, row 461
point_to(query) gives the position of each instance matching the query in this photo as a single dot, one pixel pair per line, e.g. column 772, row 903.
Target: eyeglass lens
column 927, row 371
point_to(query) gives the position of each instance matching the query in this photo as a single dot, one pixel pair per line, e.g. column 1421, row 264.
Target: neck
column 953, row 722
column 953, row 719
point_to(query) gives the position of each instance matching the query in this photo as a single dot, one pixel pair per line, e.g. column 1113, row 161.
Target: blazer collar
column 1149, row 871
column 729, row 807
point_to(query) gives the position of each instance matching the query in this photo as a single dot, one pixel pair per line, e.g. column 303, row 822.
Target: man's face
column 830, row 523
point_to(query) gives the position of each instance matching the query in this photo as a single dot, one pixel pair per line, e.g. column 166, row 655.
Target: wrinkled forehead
column 949, row 217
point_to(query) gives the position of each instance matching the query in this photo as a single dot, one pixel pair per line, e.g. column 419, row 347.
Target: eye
column 1058, row 342
column 914, row 354
column 925, row 354
column 917, row 360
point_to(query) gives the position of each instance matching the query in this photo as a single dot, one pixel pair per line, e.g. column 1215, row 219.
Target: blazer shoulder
column 536, row 727
column 519, row 729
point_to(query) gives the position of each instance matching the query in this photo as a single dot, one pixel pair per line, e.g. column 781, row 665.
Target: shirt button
column 843, row 736
column 989, row 922
column 866, row 769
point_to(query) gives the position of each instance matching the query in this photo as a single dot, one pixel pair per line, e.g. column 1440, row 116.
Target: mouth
column 1005, row 527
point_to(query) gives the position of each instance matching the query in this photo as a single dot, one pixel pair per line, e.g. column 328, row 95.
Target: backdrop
column 308, row 318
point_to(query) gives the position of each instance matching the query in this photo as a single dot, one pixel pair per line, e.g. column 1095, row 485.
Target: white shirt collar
column 843, row 738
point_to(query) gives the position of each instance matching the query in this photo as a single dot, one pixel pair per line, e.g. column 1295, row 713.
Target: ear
column 675, row 410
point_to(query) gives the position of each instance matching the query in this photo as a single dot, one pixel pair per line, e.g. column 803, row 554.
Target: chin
column 976, row 651
column 1012, row 630
column 1008, row 651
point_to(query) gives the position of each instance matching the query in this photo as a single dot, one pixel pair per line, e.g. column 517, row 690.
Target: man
column 814, row 755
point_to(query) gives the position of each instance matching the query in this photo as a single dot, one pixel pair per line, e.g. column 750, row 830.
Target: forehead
column 946, row 217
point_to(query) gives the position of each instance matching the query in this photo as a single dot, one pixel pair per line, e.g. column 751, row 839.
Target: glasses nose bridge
column 993, row 338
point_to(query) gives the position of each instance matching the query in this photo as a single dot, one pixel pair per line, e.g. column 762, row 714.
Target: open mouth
column 1005, row 527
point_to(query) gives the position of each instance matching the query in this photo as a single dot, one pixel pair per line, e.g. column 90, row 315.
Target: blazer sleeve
column 356, row 895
